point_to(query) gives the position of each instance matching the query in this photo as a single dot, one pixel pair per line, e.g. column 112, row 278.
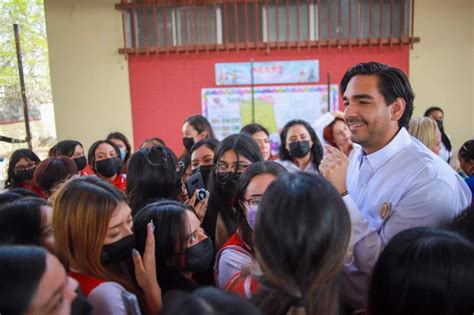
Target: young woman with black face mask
column 300, row 149
column 195, row 128
column 72, row 149
column 236, row 258
column 21, row 169
column 202, row 157
column 93, row 227
column 124, row 146
column 233, row 155
column 104, row 161
column 182, row 246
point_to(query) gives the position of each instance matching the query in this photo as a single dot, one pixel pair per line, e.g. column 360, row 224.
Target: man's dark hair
column 392, row 83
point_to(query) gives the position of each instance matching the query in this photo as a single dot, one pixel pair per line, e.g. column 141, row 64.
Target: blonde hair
column 82, row 210
column 424, row 129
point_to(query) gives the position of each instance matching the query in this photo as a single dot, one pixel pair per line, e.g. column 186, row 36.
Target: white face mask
column 252, row 215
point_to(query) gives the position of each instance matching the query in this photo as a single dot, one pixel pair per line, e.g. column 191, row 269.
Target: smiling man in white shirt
column 393, row 182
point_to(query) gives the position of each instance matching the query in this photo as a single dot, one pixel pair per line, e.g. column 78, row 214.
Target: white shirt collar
column 380, row 157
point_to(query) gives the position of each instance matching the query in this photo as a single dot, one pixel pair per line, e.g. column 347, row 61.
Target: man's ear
column 203, row 134
column 397, row 109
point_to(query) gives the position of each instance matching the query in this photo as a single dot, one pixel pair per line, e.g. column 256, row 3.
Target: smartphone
column 131, row 303
column 194, row 182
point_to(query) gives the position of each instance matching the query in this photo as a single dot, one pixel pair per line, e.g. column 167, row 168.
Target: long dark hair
column 258, row 168
column 301, row 238
column 250, row 129
column 208, row 143
column 423, row 271
column 444, row 137
column 22, row 221
column 64, row 148
column 392, row 83
column 12, row 180
column 171, row 225
column 200, row 123
column 21, row 272
column 120, row 136
column 316, row 149
column 463, row 223
column 241, row 144
column 152, row 176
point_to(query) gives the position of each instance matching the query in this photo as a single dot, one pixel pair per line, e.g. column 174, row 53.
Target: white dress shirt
column 400, row 186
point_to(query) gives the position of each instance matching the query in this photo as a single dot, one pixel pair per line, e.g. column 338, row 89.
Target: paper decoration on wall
column 229, row 109
column 269, row 72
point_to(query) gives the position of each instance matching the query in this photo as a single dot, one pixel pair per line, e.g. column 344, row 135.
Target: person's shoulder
column 418, row 155
column 235, row 252
column 289, row 165
column 107, row 288
column 107, row 298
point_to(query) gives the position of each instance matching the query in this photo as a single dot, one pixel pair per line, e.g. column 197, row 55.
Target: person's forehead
column 53, row 278
column 362, row 84
column 23, row 160
column 339, row 124
column 121, row 213
column 188, row 127
column 118, row 142
column 437, row 113
column 201, row 151
column 259, row 184
column 193, row 221
column 104, row 148
column 297, row 129
column 260, row 135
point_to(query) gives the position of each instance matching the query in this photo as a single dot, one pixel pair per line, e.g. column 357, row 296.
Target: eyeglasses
column 224, row 168
column 252, row 202
column 28, row 166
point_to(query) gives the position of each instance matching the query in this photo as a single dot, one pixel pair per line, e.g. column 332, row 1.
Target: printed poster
column 229, row 109
column 270, row 72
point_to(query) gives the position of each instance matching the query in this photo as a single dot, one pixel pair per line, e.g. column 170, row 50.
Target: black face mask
column 205, row 170
column 440, row 125
column 199, row 257
column 226, row 184
column 109, row 167
column 188, row 143
column 25, row 174
column 80, row 162
column 119, row 251
column 299, row 149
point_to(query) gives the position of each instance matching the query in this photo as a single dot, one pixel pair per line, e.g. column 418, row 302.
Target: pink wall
column 167, row 89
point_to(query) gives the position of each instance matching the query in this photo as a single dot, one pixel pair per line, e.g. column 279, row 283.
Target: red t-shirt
column 34, row 188
column 120, row 182
column 87, row 283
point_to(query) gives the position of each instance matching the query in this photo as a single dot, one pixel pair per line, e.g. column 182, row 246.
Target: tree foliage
column 29, row 15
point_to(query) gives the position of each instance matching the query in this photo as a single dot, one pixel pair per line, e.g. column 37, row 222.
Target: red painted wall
column 167, row 89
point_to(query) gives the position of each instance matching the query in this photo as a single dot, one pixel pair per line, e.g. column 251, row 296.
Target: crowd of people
column 360, row 213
